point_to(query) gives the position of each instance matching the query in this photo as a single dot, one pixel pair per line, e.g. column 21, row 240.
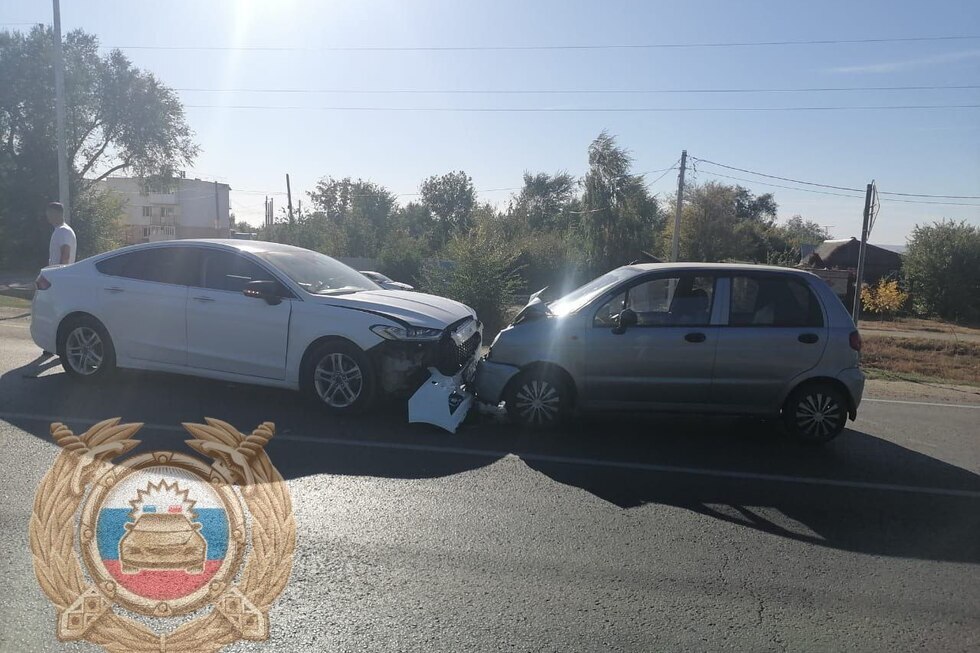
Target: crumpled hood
column 415, row 308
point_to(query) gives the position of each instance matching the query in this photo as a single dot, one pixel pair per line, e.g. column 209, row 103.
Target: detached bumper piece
column 441, row 400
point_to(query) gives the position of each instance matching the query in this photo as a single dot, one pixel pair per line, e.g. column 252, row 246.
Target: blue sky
column 919, row 151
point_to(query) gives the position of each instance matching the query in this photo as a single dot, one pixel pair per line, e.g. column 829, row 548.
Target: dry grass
column 8, row 301
column 918, row 324
column 922, row 359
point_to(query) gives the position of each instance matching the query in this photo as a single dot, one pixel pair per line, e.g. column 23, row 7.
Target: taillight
column 855, row 340
column 41, row 283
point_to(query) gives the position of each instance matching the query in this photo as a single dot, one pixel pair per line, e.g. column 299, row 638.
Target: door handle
column 114, row 289
column 808, row 338
column 203, row 298
column 695, row 337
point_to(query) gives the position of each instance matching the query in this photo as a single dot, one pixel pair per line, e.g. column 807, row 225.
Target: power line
column 524, row 48
column 856, row 190
column 766, row 183
column 951, row 197
column 822, row 192
column 612, row 91
column 583, row 109
column 762, row 174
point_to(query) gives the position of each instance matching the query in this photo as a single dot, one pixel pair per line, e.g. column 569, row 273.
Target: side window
column 227, row 271
column 674, row 301
column 173, row 265
column 773, row 301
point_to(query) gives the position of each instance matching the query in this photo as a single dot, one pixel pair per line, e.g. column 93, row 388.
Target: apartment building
column 178, row 208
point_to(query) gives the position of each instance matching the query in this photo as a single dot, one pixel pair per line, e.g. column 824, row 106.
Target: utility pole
column 865, row 232
column 289, row 198
column 60, row 130
column 217, row 212
column 675, row 248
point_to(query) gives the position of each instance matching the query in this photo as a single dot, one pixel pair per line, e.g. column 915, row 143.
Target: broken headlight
column 411, row 334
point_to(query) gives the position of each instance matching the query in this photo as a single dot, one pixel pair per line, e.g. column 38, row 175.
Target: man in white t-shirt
column 61, row 250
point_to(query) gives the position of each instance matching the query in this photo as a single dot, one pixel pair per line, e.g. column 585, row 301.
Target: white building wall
column 194, row 209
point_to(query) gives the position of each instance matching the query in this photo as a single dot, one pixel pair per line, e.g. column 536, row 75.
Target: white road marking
column 566, row 460
column 922, row 403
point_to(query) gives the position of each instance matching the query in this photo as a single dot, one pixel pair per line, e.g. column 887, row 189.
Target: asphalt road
column 621, row 534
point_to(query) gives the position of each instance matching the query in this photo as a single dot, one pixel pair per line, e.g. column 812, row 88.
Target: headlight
column 411, row 334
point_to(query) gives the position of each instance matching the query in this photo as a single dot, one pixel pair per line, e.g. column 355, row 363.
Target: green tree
column 942, row 270
column 619, row 216
column 720, row 222
column 362, row 210
column 545, row 201
column 450, row 198
column 119, row 118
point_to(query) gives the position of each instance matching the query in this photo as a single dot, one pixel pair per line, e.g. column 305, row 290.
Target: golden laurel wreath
column 85, row 609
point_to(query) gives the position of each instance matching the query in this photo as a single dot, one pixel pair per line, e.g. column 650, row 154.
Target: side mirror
column 626, row 319
column 270, row 291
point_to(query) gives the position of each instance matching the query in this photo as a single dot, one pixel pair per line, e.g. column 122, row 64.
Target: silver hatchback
column 683, row 337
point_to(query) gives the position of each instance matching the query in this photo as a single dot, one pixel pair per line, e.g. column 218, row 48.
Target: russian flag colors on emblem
column 162, row 533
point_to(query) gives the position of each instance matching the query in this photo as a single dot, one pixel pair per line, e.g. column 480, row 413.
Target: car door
column 665, row 361
column 229, row 332
column 143, row 301
column 775, row 331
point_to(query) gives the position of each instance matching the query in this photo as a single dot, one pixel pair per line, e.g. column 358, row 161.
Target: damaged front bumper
column 434, row 374
column 443, row 400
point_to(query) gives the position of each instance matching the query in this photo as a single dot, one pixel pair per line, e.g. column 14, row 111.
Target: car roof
column 252, row 246
column 714, row 267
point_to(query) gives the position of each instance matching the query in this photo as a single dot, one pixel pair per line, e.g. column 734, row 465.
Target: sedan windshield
column 580, row 297
column 318, row 274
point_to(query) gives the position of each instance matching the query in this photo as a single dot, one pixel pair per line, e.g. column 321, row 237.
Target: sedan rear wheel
column 538, row 399
column 86, row 350
column 815, row 413
column 339, row 377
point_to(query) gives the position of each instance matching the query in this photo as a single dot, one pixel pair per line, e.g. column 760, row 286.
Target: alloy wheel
column 84, row 350
column 338, row 380
column 538, row 402
column 818, row 415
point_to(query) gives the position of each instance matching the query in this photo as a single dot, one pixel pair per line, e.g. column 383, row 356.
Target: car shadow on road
column 858, row 493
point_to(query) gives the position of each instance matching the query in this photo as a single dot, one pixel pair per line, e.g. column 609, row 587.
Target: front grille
column 453, row 356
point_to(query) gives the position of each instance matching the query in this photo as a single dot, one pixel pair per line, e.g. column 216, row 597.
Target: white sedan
column 251, row 312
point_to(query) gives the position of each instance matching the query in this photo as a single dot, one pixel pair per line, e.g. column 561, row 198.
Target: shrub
column 885, row 298
column 942, row 270
column 402, row 257
column 482, row 275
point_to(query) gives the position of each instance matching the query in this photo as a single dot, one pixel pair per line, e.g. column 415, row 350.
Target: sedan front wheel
column 339, row 377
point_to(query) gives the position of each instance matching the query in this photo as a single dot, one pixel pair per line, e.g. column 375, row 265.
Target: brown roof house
column 843, row 255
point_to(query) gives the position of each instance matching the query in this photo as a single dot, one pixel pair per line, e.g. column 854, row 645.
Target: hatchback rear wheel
column 815, row 413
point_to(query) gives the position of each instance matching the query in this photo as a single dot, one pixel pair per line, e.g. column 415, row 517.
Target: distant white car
column 252, row 312
column 386, row 282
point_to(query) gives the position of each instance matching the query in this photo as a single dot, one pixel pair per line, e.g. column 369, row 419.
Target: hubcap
column 84, row 350
column 818, row 415
column 338, row 380
column 537, row 402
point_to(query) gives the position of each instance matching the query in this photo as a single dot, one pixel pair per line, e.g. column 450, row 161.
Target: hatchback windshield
column 578, row 298
column 317, row 273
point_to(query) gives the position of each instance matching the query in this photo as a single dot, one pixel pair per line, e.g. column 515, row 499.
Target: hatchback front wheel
column 538, row 399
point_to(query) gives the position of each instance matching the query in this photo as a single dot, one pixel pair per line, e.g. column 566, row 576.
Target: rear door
column 143, row 298
column 666, row 360
column 776, row 331
column 229, row 332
